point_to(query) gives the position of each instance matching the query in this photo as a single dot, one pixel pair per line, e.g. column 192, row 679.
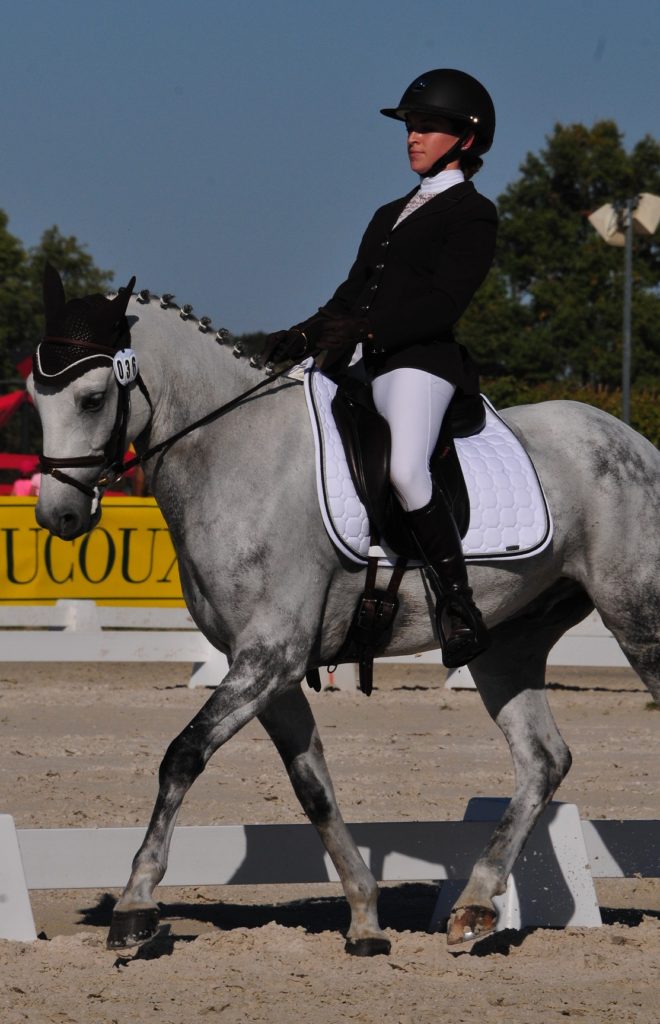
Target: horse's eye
column 91, row 403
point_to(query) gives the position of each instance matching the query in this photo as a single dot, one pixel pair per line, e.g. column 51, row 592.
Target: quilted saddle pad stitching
column 321, row 483
column 526, row 504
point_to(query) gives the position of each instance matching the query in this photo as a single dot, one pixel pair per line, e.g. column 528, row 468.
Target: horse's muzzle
column 68, row 523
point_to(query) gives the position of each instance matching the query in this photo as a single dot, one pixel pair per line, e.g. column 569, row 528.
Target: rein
column 222, row 410
column 111, row 459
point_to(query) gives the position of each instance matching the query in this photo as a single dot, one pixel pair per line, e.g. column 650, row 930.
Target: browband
column 100, row 349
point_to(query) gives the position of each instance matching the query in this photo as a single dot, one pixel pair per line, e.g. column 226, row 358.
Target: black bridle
column 108, row 460
column 111, row 461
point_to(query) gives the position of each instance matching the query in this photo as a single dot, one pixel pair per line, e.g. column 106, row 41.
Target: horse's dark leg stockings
column 461, row 629
column 290, row 724
column 245, row 691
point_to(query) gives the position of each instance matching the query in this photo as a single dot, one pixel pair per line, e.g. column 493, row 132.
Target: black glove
column 283, row 347
column 338, row 333
column 323, row 332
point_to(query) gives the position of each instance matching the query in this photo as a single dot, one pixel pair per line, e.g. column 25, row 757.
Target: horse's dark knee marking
column 183, row 762
column 559, row 767
column 553, row 766
column 311, row 792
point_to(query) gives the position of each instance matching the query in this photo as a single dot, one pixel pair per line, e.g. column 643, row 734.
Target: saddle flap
column 448, row 477
column 365, row 435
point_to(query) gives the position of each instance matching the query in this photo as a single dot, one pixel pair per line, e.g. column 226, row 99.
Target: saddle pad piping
column 520, row 509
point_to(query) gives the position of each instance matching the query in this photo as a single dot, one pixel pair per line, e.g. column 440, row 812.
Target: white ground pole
column 16, row 921
column 552, row 883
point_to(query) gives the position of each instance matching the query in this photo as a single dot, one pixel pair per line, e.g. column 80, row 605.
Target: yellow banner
column 127, row 559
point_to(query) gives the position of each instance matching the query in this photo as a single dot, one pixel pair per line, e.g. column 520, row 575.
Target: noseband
column 111, row 459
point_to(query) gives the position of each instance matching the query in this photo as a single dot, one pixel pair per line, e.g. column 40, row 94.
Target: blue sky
column 232, row 152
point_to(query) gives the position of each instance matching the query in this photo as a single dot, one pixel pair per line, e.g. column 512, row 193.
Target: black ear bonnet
column 80, row 334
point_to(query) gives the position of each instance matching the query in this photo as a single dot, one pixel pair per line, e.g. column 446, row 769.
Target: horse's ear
column 53, row 292
column 120, row 301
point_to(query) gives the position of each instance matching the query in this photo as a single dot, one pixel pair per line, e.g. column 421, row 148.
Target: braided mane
column 204, row 323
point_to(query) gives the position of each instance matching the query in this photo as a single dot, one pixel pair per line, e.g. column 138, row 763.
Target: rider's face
column 429, row 138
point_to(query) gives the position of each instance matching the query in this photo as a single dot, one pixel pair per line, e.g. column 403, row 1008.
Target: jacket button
column 380, row 266
column 374, row 287
column 364, row 309
column 385, row 244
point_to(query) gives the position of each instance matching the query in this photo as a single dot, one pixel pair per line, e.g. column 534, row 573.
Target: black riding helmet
column 456, row 96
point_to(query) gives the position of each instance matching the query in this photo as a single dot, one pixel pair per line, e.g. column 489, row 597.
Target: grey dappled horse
column 266, row 586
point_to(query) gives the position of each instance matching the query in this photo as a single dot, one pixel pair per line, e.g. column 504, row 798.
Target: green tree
column 552, row 306
column 16, row 305
column 76, row 267
column 21, row 273
column 21, row 308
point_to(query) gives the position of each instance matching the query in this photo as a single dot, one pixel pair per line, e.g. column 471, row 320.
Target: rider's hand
column 339, row 333
column 293, row 345
column 324, row 332
column 284, row 346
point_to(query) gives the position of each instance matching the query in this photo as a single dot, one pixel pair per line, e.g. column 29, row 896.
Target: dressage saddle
column 365, row 435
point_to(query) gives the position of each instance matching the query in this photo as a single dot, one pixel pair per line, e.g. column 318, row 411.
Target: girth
column 371, row 628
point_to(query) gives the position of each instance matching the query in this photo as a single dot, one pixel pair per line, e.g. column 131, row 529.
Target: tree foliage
column 551, row 309
column 21, row 309
column 548, row 319
column 21, row 273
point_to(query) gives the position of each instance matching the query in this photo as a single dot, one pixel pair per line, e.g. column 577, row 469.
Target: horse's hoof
column 470, row 924
column 132, row 927
column 368, row 947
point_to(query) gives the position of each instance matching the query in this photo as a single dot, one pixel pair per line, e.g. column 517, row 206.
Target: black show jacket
column 413, row 282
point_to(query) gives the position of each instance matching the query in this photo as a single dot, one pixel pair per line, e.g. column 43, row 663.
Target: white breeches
column 414, row 404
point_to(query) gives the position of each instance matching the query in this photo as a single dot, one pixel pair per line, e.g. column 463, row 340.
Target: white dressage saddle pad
column 509, row 516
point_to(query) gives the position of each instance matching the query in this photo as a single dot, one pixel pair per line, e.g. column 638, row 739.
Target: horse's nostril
column 69, row 524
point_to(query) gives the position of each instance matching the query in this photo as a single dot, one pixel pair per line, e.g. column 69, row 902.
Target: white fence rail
column 83, row 631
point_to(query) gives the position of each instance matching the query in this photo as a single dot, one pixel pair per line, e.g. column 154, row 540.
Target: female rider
column 420, row 262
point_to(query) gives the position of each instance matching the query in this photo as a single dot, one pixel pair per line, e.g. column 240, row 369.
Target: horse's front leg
column 511, row 683
column 253, row 679
column 289, row 721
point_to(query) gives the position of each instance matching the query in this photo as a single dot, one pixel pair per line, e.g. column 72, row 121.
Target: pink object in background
column 26, row 487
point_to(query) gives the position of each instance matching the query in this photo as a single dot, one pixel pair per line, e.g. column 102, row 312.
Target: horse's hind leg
column 510, row 677
column 291, row 726
column 634, row 620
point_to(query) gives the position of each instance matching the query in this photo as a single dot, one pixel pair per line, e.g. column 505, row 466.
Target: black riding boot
column 461, row 629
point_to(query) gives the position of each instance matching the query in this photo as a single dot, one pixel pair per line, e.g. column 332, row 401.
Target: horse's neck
column 256, row 449
column 186, row 372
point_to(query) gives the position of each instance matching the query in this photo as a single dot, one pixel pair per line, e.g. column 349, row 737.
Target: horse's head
column 83, row 372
